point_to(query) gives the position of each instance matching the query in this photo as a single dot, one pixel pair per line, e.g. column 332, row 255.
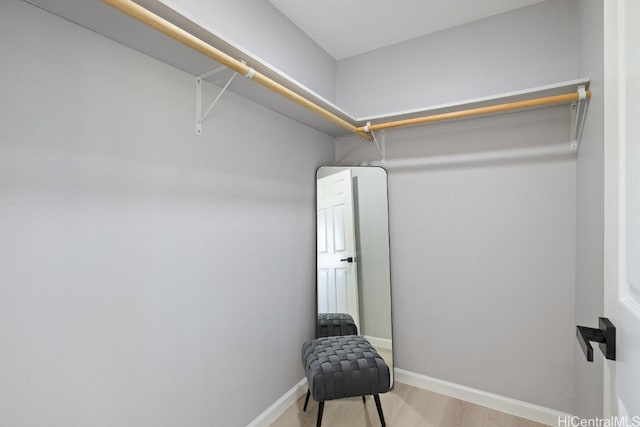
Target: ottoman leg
column 379, row 406
column 306, row 400
column 320, row 409
column 363, row 399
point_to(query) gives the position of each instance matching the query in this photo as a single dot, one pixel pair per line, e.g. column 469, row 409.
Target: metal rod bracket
column 199, row 115
column 380, row 145
column 578, row 113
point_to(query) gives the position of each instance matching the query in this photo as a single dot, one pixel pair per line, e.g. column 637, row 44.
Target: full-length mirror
column 354, row 275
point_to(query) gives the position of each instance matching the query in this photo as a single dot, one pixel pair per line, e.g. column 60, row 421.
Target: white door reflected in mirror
column 337, row 278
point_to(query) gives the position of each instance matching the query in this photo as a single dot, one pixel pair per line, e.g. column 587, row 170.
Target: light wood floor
column 404, row 406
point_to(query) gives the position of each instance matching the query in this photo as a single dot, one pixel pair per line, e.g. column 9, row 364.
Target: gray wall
column 528, row 47
column 148, row 276
column 261, row 28
column 482, row 211
column 482, row 223
column 590, row 207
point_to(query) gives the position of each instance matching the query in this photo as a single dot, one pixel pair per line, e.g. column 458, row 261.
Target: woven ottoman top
column 343, row 366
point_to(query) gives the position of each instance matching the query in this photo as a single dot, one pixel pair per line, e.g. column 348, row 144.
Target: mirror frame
column 316, row 329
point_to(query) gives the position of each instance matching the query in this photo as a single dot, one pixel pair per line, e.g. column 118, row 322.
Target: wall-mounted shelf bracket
column 378, row 140
column 199, row 115
column 578, row 113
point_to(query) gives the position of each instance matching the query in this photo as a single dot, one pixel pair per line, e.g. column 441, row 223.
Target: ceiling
column 346, row 28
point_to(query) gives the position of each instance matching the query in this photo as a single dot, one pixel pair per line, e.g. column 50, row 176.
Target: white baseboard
column 383, row 343
column 493, row 401
column 279, row 406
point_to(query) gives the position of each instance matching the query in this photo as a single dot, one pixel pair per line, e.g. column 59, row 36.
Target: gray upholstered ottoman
column 334, row 324
column 344, row 366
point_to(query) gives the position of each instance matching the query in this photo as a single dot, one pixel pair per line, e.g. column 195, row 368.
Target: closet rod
column 145, row 16
column 138, row 12
column 492, row 109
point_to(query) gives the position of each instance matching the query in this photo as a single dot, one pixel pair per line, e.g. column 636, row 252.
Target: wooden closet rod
column 492, row 109
column 145, row 16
